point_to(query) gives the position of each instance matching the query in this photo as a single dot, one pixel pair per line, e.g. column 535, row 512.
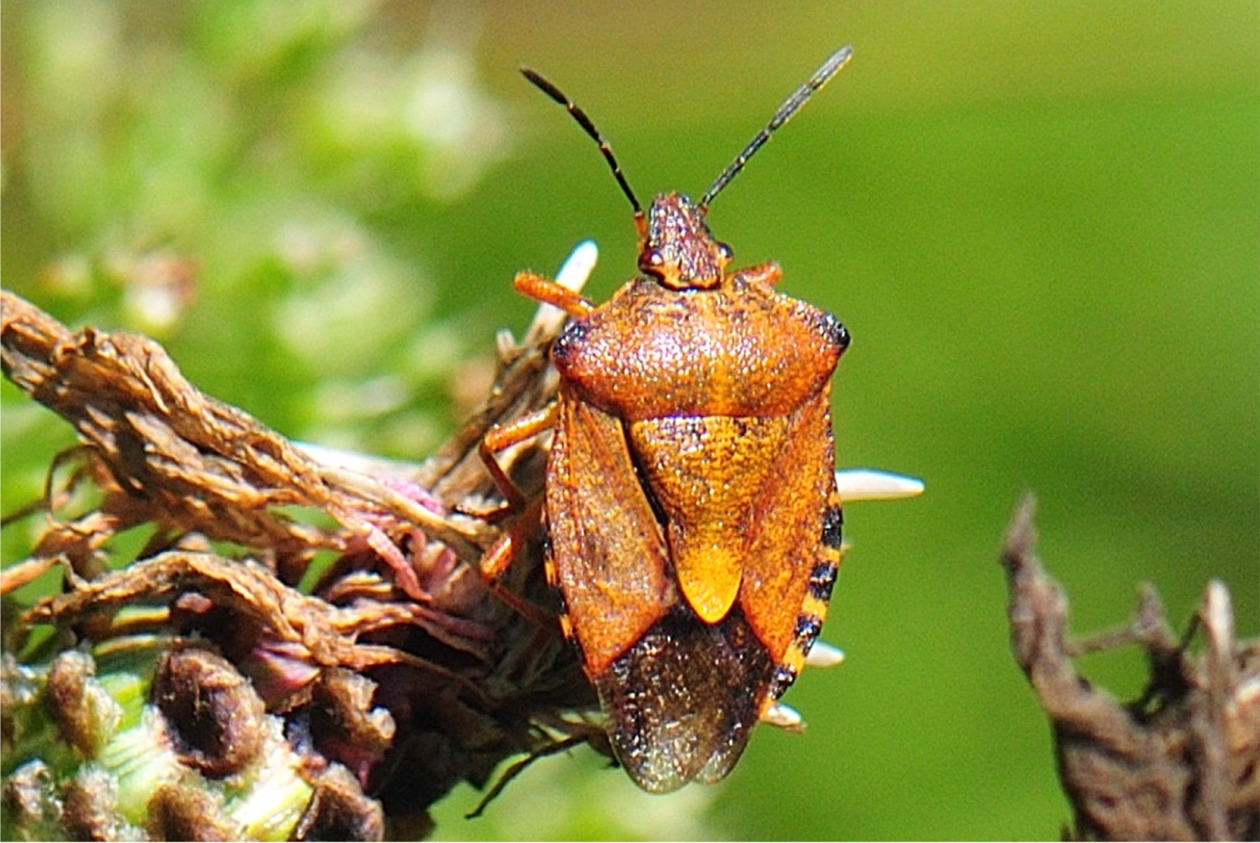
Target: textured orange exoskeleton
column 691, row 509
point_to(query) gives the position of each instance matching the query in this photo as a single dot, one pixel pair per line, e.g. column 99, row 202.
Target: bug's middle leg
column 500, row 438
column 516, row 535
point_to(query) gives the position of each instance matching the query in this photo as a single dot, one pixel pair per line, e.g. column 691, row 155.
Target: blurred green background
column 1040, row 222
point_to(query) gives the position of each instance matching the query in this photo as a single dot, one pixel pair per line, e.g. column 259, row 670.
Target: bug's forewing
column 608, row 554
column 676, row 690
column 793, row 554
column 684, row 699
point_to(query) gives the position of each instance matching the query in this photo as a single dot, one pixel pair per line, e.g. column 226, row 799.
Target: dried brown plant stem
column 447, row 681
column 1180, row 763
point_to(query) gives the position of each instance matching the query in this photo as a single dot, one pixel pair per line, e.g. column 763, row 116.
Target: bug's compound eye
column 725, row 252
column 652, row 262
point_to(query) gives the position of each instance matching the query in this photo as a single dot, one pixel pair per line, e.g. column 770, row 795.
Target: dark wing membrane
column 679, row 701
column 787, row 545
column 607, row 549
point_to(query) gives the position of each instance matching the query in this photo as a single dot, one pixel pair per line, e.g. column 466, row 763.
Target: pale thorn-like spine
column 867, row 484
column 823, row 654
column 784, row 717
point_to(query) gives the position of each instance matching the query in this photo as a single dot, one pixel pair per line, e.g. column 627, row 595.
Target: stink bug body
column 690, row 504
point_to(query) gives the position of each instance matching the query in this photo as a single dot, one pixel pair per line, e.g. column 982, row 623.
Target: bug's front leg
column 767, row 273
column 543, row 289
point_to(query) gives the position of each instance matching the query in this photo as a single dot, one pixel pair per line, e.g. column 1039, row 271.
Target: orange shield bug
column 691, row 509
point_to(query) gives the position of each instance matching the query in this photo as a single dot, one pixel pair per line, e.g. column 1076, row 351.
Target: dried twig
column 463, row 681
column 1181, row 762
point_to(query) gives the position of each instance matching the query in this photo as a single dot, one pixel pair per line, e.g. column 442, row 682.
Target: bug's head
column 676, row 247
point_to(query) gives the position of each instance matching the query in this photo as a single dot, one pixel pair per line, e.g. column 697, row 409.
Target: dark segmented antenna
column 821, row 76
column 585, row 122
